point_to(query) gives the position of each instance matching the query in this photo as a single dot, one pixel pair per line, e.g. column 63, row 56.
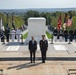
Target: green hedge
column 25, row 35
column 49, row 35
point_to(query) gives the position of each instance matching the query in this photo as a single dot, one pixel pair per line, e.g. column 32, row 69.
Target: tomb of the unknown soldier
column 36, row 28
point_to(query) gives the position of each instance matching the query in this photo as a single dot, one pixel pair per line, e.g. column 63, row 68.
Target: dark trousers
column 66, row 37
column 71, row 38
column 43, row 54
column 32, row 56
column 7, row 37
column 58, row 37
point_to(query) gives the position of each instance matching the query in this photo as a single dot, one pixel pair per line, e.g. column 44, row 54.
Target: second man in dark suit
column 43, row 47
column 32, row 49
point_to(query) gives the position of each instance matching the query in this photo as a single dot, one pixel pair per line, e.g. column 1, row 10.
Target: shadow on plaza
column 26, row 65
column 15, row 43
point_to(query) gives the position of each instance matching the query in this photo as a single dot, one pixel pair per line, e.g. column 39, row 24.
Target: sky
column 25, row 4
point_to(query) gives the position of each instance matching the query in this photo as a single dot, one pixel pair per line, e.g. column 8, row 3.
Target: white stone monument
column 36, row 28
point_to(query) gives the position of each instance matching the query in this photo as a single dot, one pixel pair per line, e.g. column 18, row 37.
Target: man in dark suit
column 66, row 35
column 43, row 47
column 71, row 35
column 2, row 36
column 55, row 33
column 32, row 49
column 7, row 31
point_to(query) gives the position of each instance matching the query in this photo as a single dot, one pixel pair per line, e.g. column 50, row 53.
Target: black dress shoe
column 33, row 61
column 43, row 61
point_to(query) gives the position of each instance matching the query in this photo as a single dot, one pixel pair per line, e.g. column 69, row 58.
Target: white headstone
column 36, row 28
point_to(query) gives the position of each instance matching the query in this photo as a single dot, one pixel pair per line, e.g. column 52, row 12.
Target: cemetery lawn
column 25, row 35
column 49, row 35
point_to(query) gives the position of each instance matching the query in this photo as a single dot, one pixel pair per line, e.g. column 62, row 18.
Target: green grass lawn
column 25, row 35
column 49, row 35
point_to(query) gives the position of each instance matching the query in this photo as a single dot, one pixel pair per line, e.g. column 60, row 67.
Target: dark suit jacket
column 55, row 32
column 43, row 45
column 32, row 46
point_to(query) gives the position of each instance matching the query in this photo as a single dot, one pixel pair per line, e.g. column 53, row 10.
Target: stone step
column 38, row 58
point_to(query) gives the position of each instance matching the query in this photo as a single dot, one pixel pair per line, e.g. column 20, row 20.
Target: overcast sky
column 24, row 4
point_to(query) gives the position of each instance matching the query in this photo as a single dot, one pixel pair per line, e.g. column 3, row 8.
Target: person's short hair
column 32, row 37
column 43, row 35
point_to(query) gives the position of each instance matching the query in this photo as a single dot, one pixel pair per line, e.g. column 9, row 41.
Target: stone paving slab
column 26, row 68
column 69, row 50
